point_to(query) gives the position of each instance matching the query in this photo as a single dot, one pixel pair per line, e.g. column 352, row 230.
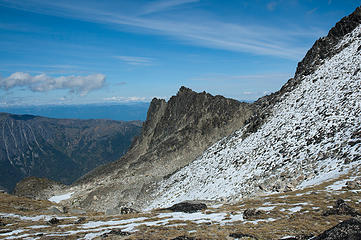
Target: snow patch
column 59, row 198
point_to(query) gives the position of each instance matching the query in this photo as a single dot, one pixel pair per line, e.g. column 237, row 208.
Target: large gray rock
column 188, row 207
column 341, row 208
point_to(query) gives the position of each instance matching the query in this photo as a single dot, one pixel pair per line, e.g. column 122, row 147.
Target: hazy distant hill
column 59, row 149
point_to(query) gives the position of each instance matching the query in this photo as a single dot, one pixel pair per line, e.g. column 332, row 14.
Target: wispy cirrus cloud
column 271, row 6
column 195, row 29
column 163, row 5
column 311, row 11
column 225, row 77
column 43, row 83
column 132, row 60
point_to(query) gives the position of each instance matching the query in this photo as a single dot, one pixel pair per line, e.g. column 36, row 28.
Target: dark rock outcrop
column 183, row 238
column 242, row 235
column 346, row 230
column 116, row 232
column 251, row 212
column 127, row 210
column 80, row 220
column 54, row 221
column 120, row 211
column 341, row 208
column 355, row 184
column 325, row 47
column 58, row 149
column 188, row 207
column 2, row 224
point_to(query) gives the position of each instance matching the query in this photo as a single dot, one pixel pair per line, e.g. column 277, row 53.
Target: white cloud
column 43, row 83
column 126, row 99
column 131, row 60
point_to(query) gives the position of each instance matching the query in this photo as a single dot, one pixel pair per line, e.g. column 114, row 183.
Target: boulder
column 3, row 189
column 54, row 221
column 117, row 232
column 188, row 207
column 2, row 224
column 251, row 212
column 341, row 208
column 183, row 238
column 355, row 184
column 80, row 220
column 126, row 210
column 120, row 210
column 242, row 236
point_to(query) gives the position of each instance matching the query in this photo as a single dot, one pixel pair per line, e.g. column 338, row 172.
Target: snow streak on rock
column 312, row 135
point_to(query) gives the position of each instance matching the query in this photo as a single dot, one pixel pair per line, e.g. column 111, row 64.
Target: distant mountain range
column 59, row 149
column 121, row 112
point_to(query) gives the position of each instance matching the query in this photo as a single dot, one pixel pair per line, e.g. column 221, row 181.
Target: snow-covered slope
column 313, row 134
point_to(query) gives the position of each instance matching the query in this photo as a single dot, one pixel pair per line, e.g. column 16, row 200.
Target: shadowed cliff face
column 174, row 134
column 59, row 149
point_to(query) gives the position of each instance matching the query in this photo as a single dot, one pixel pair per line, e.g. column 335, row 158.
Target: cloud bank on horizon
column 43, row 83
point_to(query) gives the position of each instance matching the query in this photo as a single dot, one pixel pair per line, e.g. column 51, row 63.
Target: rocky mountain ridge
column 38, row 146
column 174, row 134
column 309, row 134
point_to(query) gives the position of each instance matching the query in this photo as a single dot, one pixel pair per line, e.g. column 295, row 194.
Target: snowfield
column 308, row 139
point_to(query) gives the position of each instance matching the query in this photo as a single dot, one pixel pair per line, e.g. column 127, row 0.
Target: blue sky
column 62, row 52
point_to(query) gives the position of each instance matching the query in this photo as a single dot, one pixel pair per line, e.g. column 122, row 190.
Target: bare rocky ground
column 292, row 215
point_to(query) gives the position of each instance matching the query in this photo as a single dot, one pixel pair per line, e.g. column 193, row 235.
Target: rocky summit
column 173, row 135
